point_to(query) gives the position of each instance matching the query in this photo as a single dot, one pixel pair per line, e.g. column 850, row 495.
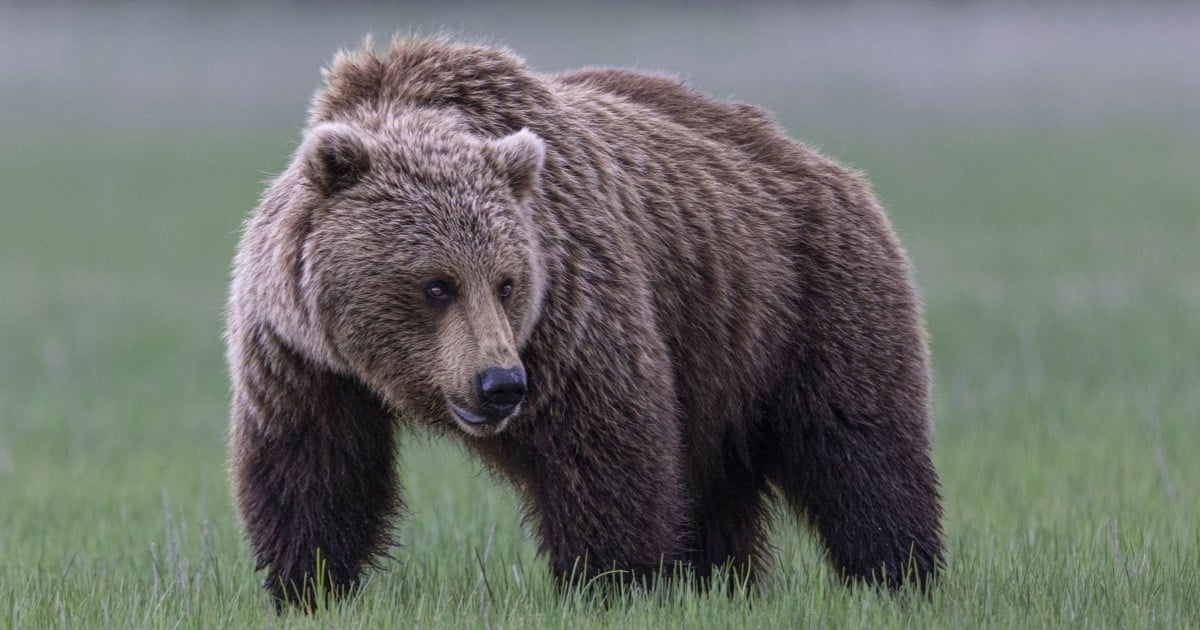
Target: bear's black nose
column 500, row 389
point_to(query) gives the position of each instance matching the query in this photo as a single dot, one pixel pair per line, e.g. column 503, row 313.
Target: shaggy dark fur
column 706, row 312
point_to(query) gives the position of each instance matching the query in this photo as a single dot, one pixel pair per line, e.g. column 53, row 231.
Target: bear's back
column 705, row 192
column 740, row 125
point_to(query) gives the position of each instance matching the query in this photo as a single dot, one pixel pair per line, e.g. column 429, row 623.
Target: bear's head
column 421, row 264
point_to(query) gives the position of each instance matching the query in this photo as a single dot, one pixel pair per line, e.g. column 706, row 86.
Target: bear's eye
column 506, row 289
column 438, row 291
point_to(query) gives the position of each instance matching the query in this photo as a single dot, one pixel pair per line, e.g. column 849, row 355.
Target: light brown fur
column 704, row 308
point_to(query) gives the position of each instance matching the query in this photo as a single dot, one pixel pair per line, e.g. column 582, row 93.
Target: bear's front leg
column 606, row 506
column 312, row 457
column 603, row 475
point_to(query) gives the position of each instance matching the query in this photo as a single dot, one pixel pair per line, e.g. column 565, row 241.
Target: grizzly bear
column 652, row 311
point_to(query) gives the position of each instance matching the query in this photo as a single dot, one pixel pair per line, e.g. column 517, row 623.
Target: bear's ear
column 519, row 157
column 334, row 156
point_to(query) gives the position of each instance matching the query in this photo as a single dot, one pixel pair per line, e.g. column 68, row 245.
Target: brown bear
column 653, row 312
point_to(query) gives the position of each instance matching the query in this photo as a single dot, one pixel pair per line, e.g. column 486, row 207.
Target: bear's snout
column 500, row 390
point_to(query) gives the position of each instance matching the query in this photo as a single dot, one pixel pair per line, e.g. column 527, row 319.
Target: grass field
column 1061, row 276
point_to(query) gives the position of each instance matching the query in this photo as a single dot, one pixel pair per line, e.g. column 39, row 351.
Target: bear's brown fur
column 706, row 312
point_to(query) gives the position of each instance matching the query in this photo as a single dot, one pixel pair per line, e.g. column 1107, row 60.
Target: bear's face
column 425, row 266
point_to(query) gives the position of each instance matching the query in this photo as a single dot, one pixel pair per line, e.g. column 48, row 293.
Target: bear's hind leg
column 868, row 487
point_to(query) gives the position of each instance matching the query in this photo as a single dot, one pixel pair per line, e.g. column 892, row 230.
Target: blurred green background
column 1041, row 163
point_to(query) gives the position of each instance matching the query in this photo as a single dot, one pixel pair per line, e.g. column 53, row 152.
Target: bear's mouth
column 467, row 416
column 476, row 423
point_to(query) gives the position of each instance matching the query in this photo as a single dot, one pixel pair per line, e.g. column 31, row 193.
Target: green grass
column 1062, row 282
